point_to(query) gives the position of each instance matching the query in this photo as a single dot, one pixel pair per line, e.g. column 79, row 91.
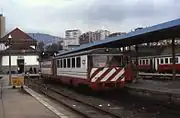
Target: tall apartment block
column 2, row 26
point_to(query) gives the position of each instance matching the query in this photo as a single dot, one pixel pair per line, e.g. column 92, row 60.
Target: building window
column 78, row 62
column 73, row 62
column 147, row 61
column 64, row 63
column 68, row 62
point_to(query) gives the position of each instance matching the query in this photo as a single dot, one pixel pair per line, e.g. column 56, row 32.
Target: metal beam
column 173, row 59
column 136, row 49
column 136, row 69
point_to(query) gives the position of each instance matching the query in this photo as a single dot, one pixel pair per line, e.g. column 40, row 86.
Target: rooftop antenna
column 1, row 12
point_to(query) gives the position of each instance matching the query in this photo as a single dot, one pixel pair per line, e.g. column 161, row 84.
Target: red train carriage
column 145, row 64
column 164, row 64
column 97, row 69
column 159, row 64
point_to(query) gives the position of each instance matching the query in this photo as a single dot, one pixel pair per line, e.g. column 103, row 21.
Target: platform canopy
column 155, row 33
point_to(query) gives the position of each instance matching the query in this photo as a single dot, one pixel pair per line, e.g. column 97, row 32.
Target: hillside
column 46, row 38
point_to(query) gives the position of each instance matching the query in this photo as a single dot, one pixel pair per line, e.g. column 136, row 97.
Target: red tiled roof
column 18, row 35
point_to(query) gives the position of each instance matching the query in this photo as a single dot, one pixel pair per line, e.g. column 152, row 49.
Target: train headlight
column 107, row 49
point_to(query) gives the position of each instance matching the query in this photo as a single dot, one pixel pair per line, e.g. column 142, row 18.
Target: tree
column 60, row 47
column 40, row 46
column 52, row 48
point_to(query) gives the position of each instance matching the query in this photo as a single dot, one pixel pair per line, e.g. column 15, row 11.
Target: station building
column 23, row 52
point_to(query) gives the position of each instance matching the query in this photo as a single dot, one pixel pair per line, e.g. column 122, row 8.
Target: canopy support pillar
column 173, row 59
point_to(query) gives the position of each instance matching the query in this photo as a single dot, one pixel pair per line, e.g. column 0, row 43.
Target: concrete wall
column 30, row 61
column 5, row 69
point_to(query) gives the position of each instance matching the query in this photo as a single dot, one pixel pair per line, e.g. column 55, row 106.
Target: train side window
column 68, row 62
column 176, row 60
column 144, row 61
column 64, row 63
column 73, row 62
column 78, row 62
column 140, row 62
column 157, row 61
column 162, row 61
column 61, row 63
column 170, row 60
column 58, row 63
column 166, row 60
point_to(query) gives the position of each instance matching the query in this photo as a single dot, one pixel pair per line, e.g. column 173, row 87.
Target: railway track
column 160, row 108
column 128, row 107
column 160, row 76
column 87, row 110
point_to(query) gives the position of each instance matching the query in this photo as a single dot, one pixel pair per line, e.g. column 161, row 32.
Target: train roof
column 158, row 32
column 107, row 51
column 156, row 56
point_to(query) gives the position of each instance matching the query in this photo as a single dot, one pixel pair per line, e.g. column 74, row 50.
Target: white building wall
column 32, row 47
column 29, row 60
column 72, row 36
column 46, row 71
column 103, row 34
column 2, row 46
column 69, row 42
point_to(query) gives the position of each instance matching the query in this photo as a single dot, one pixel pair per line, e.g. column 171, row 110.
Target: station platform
column 19, row 103
column 16, row 104
column 168, row 91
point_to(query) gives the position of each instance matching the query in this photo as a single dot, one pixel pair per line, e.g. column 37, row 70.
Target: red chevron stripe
column 95, row 73
column 113, row 75
column 104, row 74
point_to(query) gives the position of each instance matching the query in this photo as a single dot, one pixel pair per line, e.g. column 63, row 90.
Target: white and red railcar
column 98, row 68
column 160, row 64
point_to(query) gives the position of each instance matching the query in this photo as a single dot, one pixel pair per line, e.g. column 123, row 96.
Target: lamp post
column 9, row 43
column 55, row 54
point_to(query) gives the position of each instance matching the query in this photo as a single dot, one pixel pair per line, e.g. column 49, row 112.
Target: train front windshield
column 107, row 60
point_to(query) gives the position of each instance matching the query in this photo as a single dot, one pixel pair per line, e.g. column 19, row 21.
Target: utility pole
column 9, row 43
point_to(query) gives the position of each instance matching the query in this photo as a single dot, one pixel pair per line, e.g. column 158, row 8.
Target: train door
column 152, row 62
column 157, row 61
column 129, row 69
column 126, row 60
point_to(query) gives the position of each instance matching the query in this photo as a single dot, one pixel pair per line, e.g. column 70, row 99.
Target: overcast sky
column 55, row 16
